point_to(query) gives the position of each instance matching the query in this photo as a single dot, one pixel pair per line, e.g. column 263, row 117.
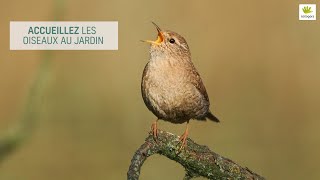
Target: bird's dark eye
column 172, row 41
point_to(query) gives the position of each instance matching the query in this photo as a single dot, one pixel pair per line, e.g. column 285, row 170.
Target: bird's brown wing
column 197, row 82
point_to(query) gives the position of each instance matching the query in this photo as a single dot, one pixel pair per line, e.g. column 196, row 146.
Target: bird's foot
column 183, row 140
column 154, row 129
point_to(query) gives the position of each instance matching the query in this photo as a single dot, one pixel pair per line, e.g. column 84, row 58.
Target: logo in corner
column 307, row 9
column 307, row 12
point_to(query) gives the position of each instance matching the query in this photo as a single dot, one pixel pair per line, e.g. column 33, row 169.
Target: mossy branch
column 197, row 160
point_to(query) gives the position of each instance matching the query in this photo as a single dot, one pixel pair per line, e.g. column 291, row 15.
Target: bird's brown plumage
column 171, row 86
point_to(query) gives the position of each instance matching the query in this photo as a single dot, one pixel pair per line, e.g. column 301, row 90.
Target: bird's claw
column 183, row 140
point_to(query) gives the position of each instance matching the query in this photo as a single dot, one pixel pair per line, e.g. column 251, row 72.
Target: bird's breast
column 167, row 90
column 166, row 78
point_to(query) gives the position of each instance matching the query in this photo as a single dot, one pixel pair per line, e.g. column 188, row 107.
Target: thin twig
column 15, row 136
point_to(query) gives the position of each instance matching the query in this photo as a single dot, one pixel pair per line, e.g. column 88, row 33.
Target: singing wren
column 171, row 86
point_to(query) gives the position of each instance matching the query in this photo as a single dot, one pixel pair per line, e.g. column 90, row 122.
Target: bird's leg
column 183, row 137
column 154, row 129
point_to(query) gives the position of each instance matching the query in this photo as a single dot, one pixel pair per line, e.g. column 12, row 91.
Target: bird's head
column 168, row 43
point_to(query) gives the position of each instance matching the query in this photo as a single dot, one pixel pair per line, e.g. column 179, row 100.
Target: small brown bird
column 171, row 86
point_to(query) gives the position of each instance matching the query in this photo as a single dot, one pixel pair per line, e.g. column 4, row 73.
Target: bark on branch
column 197, row 160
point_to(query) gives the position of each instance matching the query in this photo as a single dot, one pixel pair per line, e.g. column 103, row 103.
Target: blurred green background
column 260, row 65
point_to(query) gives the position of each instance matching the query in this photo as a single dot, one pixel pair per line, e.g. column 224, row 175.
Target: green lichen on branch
column 197, row 160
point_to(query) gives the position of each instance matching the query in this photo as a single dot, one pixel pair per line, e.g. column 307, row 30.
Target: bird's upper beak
column 160, row 36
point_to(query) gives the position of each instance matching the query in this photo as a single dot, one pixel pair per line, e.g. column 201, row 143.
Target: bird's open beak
column 159, row 39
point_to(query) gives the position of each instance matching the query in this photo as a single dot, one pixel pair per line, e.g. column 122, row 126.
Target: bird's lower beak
column 159, row 39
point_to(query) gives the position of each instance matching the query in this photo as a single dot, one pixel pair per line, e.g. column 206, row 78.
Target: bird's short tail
column 212, row 117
